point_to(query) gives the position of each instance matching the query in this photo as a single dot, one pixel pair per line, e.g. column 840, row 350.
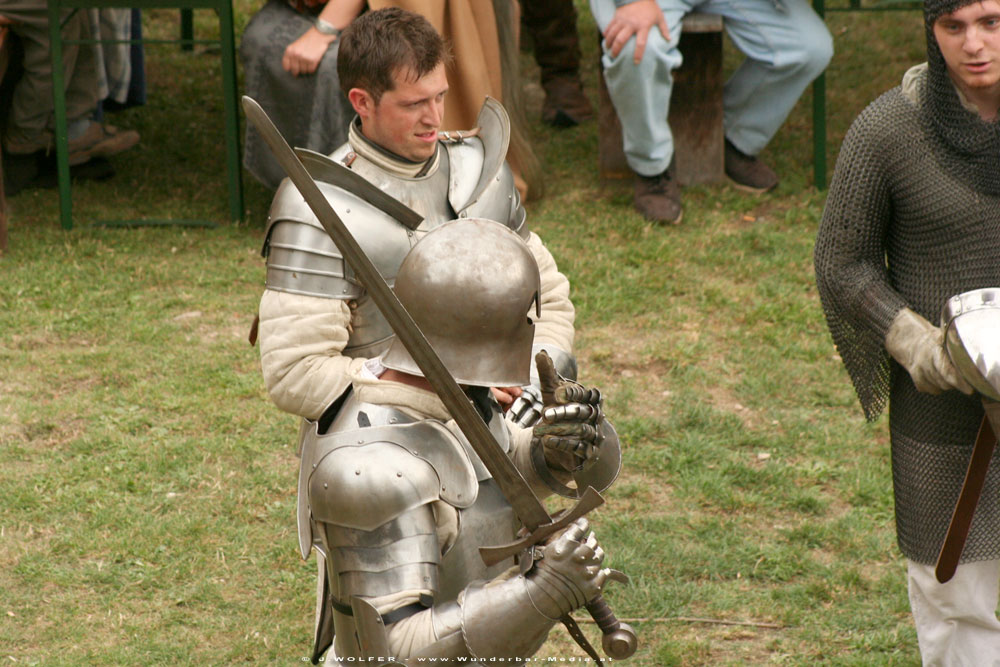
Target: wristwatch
column 326, row 28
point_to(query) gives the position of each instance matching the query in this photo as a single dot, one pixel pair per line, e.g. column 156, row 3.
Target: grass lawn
column 147, row 484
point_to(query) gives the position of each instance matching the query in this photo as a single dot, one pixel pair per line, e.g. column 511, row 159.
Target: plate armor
column 471, row 179
column 365, row 496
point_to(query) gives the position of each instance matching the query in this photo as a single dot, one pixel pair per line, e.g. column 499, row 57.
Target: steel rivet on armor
column 399, row 474
column 325, row 485
column 357, row 472
column 347, row 210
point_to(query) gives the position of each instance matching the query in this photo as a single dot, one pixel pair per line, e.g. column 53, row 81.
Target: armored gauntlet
column 568, row 431
column 527, row 408
column 510, row 617
column 567, row 572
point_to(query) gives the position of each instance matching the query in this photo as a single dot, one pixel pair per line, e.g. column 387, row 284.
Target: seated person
column 786, row 46
column 30, row 123
column 289, row 55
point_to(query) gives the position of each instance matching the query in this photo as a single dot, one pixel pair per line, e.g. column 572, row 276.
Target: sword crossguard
column 589, row 501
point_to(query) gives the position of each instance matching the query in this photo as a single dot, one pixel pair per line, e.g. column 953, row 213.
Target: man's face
column 406, row 119
column 969, row 39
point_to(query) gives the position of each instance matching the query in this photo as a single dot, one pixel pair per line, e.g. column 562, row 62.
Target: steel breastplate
column 427, row 195
column 469, row 180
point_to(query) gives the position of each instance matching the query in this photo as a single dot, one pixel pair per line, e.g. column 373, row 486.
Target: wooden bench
column 695, row 109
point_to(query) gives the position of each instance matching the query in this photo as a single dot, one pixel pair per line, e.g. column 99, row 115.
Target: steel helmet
column 472, row 286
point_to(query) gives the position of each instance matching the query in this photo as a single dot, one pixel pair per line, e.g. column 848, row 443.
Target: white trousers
column 956, row 621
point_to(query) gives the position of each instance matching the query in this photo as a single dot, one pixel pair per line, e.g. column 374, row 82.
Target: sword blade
column 528, row 508
column 322, row 168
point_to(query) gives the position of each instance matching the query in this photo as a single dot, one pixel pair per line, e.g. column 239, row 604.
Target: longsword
column 619, row 640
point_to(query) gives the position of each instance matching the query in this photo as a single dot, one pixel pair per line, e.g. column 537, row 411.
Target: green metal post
column 59, row 100
column 819, row 118
column 187, row 29
column 232, row 114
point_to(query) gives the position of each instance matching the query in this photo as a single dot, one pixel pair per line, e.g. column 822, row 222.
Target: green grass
column 147, row 485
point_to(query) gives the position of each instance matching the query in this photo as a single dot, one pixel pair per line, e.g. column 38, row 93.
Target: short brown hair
column 378, row 44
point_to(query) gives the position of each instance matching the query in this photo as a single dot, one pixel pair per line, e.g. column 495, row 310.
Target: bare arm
column 304, row 54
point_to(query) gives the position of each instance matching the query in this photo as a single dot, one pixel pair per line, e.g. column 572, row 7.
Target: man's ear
column 362, row 101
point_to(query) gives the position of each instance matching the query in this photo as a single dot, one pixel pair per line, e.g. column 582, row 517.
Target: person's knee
column 660, row 55
column 252, row 42
column 818, row 50
column 812, row 51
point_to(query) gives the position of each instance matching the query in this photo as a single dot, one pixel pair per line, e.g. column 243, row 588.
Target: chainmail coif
column 974, row 143
column 912, row 219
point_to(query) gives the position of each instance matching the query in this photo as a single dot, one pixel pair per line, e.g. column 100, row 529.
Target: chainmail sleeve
column 850, row 256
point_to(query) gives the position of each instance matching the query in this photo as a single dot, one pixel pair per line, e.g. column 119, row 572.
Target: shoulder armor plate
column 303, row 259
column 366, row 477
column 426, row 195
column 481, row 184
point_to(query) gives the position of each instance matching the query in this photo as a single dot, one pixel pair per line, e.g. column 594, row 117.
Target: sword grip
column 619, row 640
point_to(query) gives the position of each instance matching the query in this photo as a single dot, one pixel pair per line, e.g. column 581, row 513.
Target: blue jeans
column 786, row 48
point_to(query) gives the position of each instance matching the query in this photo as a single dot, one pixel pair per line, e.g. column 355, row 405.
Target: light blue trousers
column 785, row 50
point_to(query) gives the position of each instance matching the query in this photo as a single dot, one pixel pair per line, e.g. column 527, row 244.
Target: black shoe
column 19, row 171
column 658, row 198
column 565, row 103
column 747, row 172
column 38, row 170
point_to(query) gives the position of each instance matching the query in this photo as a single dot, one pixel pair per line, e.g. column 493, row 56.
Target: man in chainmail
column 913, row 218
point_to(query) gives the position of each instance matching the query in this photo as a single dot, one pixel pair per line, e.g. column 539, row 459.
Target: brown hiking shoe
column 100, row 140
column 658, row 198
column 565, row 103
column 747, row 172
